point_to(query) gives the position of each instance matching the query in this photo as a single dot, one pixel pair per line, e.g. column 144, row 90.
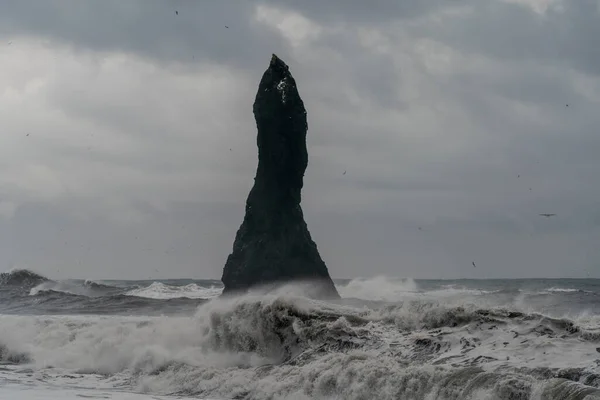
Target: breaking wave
column 25, row 292
column 87, row 288
column 566, row 290
column 158, row 290
column 267, row 347
column 21, row 277
column 386, row 338
column 379, row 288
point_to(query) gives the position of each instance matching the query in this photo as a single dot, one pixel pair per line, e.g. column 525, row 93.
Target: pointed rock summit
column 273, row 245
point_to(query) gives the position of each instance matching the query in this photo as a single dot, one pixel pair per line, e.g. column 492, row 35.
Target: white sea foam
column 562, row 290
column 65, row 287
column 15, row 391
column 379, row 288
column 158, row 290
column 382, row 288
column 86, row 288
column 278, row 346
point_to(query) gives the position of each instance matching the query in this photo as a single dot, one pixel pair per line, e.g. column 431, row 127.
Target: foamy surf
column 58, row 392
column 260, row 347
column 158, row 290
column 379, row 288
column 394, row 338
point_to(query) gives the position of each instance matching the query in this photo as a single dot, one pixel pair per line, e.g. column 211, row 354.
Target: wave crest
column 21, row 277
column 279, row 328
column 8, row 355
column 379, row 288
column 87, row 288
column 159, row 290
column 258, row 347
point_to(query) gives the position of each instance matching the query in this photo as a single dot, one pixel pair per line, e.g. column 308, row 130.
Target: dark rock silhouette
column 273, row 245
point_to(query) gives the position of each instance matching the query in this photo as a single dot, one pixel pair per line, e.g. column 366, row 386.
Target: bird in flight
column 547, row 215
column 474, row 266
column 176, row 12
column 344, row 173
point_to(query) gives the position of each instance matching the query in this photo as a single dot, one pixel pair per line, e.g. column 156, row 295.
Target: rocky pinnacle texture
column 273, row 245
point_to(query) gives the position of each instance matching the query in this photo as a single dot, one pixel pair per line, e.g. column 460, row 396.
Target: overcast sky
column 128, row 144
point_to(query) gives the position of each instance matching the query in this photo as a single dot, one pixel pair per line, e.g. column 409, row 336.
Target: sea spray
column 424, row 340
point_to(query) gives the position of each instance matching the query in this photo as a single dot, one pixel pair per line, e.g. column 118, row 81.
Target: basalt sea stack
column 273, row 245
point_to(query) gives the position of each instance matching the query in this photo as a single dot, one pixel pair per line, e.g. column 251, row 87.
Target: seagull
column 474, row 266
column 547, row 215
column 344, row 173
column 176, row 12
column 226, row 27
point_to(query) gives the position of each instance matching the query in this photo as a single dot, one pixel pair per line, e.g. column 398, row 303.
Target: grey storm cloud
column 129, row 142
column 563, row 35
column 148, row 28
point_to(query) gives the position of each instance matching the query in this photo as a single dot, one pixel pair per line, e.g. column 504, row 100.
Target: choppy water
column 386, row 339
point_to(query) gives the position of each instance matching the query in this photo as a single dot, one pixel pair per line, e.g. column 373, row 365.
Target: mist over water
column 387, row 338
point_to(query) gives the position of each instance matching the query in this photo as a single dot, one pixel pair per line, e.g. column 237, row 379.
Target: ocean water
column 385, row 339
